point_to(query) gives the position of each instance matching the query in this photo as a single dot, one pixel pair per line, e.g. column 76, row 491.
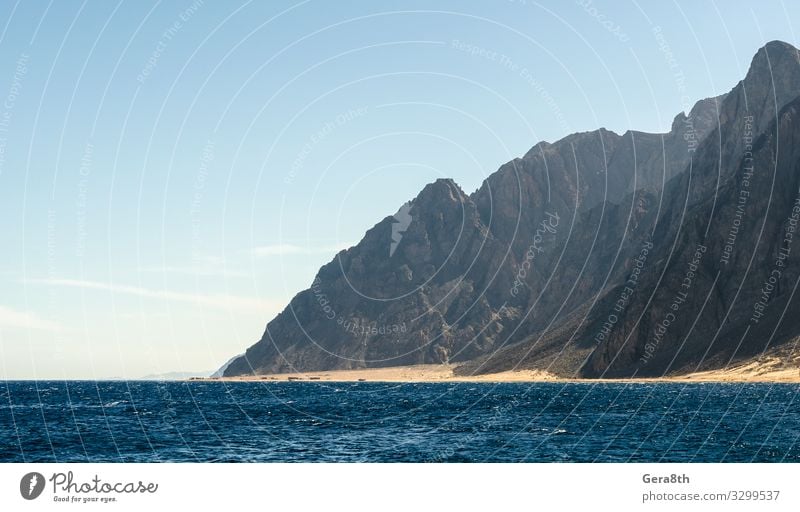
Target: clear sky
column 172, row 173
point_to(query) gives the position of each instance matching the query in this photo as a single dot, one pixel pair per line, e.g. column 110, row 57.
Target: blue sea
column 42, row 421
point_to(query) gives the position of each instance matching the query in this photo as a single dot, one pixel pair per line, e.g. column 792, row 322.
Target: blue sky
column 172, row 173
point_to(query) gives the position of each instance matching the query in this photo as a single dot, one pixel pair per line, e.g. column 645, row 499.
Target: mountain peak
column 775, row 48
column 703, row 115
column 775, row 57
column 441, row 191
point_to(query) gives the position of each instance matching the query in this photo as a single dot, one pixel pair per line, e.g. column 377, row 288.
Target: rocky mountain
column 597, row 255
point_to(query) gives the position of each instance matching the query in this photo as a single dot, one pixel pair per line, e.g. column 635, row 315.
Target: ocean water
column 46, row 421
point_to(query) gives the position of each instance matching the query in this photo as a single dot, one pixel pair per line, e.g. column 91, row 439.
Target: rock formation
column 597, row 255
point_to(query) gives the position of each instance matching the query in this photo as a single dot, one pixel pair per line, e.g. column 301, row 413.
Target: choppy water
column 459, row 422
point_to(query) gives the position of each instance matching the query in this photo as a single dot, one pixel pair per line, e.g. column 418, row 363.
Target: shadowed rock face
column 570, row 258
column 726, row 290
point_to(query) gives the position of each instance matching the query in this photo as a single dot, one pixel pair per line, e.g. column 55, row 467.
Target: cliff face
column 719, row 241
column 575, row 258
column 727, row 288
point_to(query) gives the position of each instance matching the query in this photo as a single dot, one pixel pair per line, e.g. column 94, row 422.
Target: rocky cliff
column 597, row 255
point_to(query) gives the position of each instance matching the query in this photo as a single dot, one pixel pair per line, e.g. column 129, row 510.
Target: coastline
column 751, row 372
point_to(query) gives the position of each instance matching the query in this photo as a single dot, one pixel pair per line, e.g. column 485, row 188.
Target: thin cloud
column 221, row 301
column 200, row 267
column 194, row 270
column 11, row 318
column 291, row 249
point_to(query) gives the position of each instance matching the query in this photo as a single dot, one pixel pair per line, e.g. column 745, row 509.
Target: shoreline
column 748, row 373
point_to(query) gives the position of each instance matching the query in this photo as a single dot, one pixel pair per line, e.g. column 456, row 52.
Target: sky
column 173, row 172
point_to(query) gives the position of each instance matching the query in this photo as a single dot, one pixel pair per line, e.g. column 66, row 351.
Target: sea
column 212, row 421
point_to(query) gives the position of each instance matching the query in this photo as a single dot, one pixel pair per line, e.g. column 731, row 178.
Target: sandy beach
column 765, row 369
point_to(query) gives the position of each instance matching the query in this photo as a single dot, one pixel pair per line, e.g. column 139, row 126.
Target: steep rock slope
column 526, row 271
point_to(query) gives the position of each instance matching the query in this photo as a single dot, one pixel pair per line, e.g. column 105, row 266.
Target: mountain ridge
column 524, row 271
